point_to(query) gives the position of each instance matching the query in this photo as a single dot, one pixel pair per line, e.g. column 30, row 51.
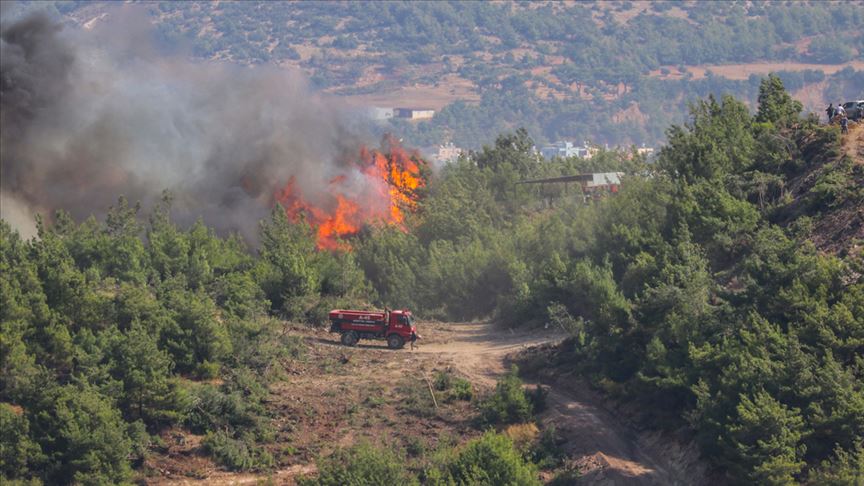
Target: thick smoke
column 88, row 116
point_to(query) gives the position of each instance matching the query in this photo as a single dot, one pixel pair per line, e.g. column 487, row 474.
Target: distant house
column 380, row 114
column 414, row 113
column 567, row 149
column 445, row 153
column 646, row 151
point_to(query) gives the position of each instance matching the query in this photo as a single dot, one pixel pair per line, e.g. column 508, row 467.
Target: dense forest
column 608, row 72
column 695, row 293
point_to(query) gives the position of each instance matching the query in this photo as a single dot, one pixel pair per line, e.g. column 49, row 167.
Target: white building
column 414, row 113
column 379, row 114
column 442, row 154
column 567, row 149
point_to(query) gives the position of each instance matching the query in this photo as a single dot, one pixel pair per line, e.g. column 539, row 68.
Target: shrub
column 509, row 403
column 261, row 344
column 491, row 459
column 461, row 390
column 443, row 381
column 523, row 436
column 832, row 188
column 415, row 446
column 235, row 454
column 547, row 452
column 212, row 409
column 361, row 465
column 456, row 388
column 537, row 397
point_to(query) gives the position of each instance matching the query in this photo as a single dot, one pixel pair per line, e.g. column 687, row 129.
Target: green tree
column 196, row 337
column 775, row 104
column 83, row 436
column 287, row 271
column 766, row 436
column 144, row 370
column 718, row 141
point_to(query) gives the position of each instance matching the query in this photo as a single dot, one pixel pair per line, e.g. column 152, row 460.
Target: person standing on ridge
column 840, row 111
column 844, row 124
column 830, row 112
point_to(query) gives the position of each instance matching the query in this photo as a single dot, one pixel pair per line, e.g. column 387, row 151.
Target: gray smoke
column 90, row 115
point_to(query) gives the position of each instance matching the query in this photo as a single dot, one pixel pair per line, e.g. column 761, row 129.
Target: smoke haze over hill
column 90, row 115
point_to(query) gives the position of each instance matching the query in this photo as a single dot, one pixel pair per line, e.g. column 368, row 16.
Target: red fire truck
column 396, row 326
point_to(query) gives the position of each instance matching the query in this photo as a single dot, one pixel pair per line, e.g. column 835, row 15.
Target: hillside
column 826, row 197
column 569, row 70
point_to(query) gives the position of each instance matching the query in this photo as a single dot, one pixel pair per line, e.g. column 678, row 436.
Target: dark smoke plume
column 88, row 116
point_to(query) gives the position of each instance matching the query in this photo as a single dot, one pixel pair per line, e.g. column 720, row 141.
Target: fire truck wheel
column 395, row 341
column 350, row 338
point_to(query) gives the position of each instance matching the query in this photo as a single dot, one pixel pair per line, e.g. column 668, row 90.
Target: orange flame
column 393, row 177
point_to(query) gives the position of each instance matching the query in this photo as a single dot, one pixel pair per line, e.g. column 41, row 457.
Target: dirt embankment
column 338, row 396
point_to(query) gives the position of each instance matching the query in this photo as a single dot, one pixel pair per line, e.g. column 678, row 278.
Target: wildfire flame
column 393, row 179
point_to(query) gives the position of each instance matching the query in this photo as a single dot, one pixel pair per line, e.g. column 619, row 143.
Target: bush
column 547, row 452
column 361, row 465
column 456, row 388
column 443, row 380
column 212, row 409
column 509, row 403
column 461, row 390
column 491, row 459
column 415, row 446
column 234, row 454
column 836, row 186
column 537, row 397
column 523, row 436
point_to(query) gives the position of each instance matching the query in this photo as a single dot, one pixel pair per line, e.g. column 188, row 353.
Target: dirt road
column 605, row 451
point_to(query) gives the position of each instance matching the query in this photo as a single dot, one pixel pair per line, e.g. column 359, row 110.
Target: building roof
column 595, row 179
column 605, row 178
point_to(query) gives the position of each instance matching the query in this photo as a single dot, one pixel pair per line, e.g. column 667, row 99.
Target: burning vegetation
column 392, row 176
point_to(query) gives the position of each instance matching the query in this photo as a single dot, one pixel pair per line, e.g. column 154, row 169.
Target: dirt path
column 853, row 142
column 604, row 450
column 477, row 349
